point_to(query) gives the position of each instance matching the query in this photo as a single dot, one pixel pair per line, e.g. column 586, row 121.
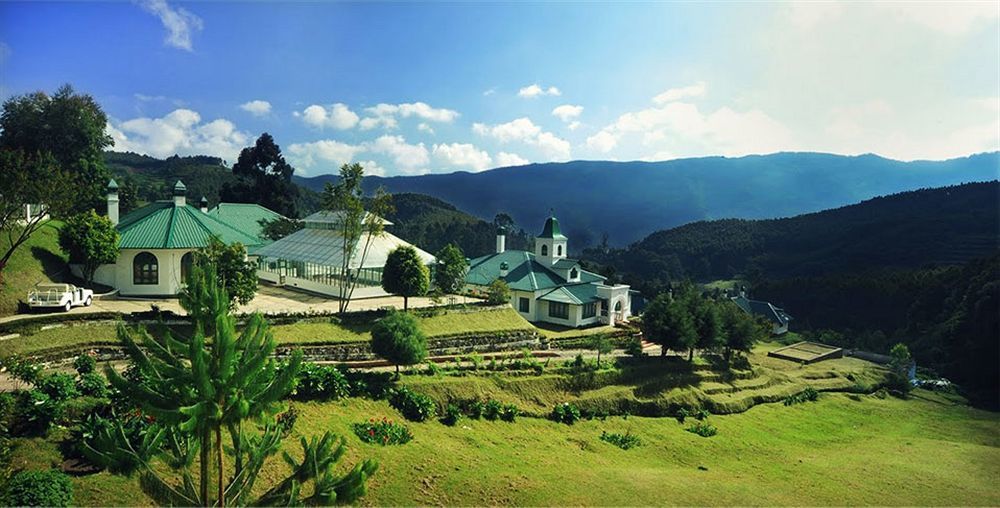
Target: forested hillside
column 629, row 200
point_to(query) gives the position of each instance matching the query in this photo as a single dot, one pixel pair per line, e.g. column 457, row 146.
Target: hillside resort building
column 546, row 286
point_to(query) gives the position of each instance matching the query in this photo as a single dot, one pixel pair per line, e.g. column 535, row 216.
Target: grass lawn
column 842, row 450
column 33, row 262
column 556, row 332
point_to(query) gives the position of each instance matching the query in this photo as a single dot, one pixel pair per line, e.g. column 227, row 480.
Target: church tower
column 550, row 246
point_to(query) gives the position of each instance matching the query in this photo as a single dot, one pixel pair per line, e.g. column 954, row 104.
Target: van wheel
column 69, row 305
column 89, row 301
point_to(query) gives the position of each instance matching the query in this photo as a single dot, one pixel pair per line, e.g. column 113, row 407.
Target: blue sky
column 418, row 88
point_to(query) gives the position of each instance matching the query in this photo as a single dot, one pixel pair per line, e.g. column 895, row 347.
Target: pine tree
column 212, row 383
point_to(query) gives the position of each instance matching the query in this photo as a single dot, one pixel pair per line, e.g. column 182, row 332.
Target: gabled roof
column 165, row 225
column 773, row 314
column 577, row 294
column 565, row 264
column 245, row 217
column 524, row 272
column 325, row 247
column 551, row 230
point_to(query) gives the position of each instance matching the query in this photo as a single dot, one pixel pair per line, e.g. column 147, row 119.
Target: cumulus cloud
column 534, row 90
column 180, row 132
column 181, row 25
column 407, row 157
column 337, row 116
column 425, row 127
column 525, row 131
column 327, row 153
column 384, row 115
column 567, row 112
column 505, row 159
column 256, row 107
column 462, row 155
column 676, row 94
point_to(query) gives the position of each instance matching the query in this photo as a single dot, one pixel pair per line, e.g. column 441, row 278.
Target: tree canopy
column 397, row 338
column 263, row 177
column 237, row 274
column 90, row 240
column 667, row 321
column 450, row 270
column 405, row 274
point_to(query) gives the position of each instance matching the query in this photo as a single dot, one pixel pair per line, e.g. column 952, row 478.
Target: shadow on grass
column 53, row 265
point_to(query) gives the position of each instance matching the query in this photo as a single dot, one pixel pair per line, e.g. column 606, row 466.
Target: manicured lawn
column 841, row 450
column 33, row 262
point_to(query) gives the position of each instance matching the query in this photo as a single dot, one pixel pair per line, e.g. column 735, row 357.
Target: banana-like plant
column 197, row 388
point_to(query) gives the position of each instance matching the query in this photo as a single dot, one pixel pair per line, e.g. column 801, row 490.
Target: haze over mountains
column 629, row 200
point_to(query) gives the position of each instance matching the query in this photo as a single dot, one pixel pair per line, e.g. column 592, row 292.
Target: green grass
column 837, row 451
column 556, row 332
column 34, row 261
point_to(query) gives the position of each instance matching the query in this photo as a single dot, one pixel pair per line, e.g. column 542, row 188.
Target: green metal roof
column 112, row 184
column 551, row 230
column 245, row 217
column 524, row 272
column 576, row 294
column 164, row 225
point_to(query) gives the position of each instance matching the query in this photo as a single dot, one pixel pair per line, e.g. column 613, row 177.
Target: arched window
column 187, row 261
column 559, row 250
column 145, row 269
column 618, row 306
column 574, row 273
column 545, row 250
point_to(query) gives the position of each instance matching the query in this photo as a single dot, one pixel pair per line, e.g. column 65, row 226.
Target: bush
column 37, row 412
column 623, row 441
column 321, row 382
column 634, row 347
column 682, row 414
column 476, row 409
column 59, row 387
column 8, row 406
column 703, row 429
column 85, row 364
column 566, row 413
column 492, row 410
column 39, row 488
column 92, row 384
column 432, row 369
column 509, row 413
column 807, row 395
column 384, row 432
column 287, row 419
column 22, row 369
column 414, row 406
column 701, row 414
column 452, row 414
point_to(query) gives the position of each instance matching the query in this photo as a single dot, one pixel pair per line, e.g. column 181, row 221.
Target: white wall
column 119, row 275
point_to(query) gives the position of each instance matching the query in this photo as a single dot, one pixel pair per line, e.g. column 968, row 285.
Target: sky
column 413, row 88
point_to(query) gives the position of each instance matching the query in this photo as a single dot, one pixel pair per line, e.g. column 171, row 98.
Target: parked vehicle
column 59, row 296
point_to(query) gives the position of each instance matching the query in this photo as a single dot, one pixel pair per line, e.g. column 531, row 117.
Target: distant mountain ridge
column 629, row 200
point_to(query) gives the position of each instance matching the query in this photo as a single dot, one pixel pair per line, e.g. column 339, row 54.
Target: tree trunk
column 219, row 473
column 663, row 350
column 397, row 371
column 598, row 359
column 406, row 303
column 691, row 355
column 206, row 443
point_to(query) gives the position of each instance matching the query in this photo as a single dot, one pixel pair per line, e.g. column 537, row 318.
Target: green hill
column 37, row 260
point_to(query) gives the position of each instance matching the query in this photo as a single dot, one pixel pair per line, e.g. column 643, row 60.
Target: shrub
column 384, row 432
column 477, row 361
column 623, row 441
column 287, row 419
column 414, row 406
column 452, row 414
column 703, row 429
column 321, row 382
column 492, row 410
column 701, row 414
column 578, row 362
column 432, row 369
column 84, row 364
column 59, row 387
column 22, row 369
column 476, row 409
column 39, row 488
column 682, row 414
column 8, row 405
column 36, row 412
column 807, row 395
column 498, row 292
column 509, row 413
column 566, row 413
column 634, row 347
column 92, row 384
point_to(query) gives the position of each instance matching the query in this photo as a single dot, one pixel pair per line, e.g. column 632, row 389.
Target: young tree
column 899, row 367
column 29, row 178
column 405, row 274
column 90, row 240
column 263, row 177
column 741, row 330
column 356, row 228
column 279, row 228
column 71, row 128
column 397, row 338
column 198, row 388
column 498, row 292
column 237, row 274
column 449, row 273
column 667, row 321
column 707, row 324
column 602, row 344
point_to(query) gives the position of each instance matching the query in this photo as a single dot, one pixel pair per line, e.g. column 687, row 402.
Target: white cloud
column 462, row 155
column 604, row 141
column 371, row 122
column 525, row 131
column 951, row 18
column 534, row 90
column 408, row 158
column 180, row 23
column 384, row 115
column 425, row 127
column 329, row 153
column 256, row 107
column 372, row 168
column 574, row 125
column 676, row 94
column 567, row 112
column 490, row 92
column 337, row 116
column 505, row 159
column 179, row 132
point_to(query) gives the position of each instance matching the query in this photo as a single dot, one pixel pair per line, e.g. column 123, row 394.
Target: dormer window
column 574, row 274
column 545, row 250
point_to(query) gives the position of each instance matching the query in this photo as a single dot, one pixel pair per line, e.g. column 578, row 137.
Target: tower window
column 545, row 250
column 559, row 250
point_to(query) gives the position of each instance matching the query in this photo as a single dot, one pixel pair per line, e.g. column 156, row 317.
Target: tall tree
column 740, row 329
column 397, row 338
column 237, row 274
column 263, row 177
column 667, row 321
column 215, row 381
column 707, row 323
column 276, row 229
column 33, row 179
column 90, row 240
column 405, row 274
column 355, row 227
column 450, row 270
column 70, row 127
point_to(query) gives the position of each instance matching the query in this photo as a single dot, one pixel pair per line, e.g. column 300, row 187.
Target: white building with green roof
column 158, row 243
column 547, row 286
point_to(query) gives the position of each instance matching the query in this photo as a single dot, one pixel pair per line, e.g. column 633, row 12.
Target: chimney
column 179, row 194
column 501, row 240
column 204, row 205
column 503, row 269
column 113, row 202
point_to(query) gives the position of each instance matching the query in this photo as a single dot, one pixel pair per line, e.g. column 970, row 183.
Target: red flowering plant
column 382, row 431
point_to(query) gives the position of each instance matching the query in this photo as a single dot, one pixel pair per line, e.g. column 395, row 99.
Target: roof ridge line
column 170, row 227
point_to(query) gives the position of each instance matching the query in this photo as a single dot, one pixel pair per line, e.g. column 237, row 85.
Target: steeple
column 550, row 245
column 180, row 194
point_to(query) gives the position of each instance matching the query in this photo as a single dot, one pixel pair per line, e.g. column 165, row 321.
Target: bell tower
column 550, row 246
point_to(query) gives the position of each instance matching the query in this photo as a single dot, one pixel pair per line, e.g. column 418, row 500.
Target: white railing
column 46, row 297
